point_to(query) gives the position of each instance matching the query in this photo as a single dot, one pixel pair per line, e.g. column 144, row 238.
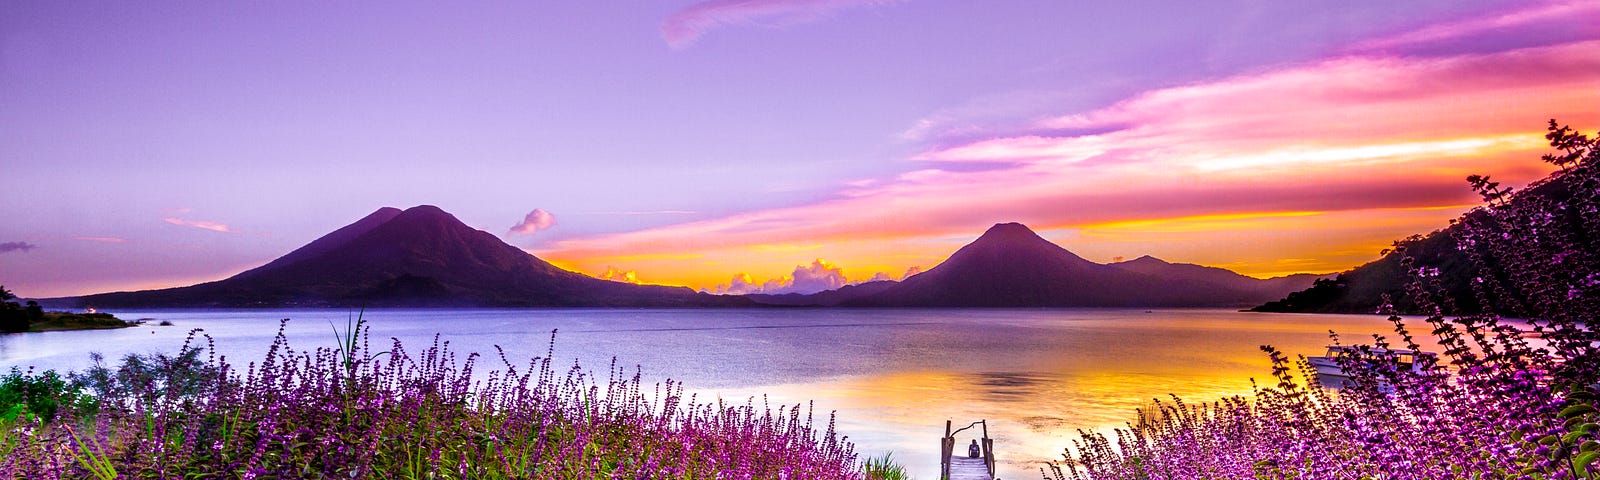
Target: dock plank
column 963, row 468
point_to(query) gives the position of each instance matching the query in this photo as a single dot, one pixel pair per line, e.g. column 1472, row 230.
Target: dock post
column 946, row 445
column 988, row 448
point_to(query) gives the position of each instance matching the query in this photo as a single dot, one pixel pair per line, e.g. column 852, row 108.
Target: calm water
column 894, row 376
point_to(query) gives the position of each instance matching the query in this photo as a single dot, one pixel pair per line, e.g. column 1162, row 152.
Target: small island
column 30, row 317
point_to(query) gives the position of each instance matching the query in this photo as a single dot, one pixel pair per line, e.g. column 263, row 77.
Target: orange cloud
column 1372, row 141
column 616, row 275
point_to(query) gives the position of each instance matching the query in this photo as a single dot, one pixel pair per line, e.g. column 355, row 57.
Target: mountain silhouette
column 1011, row 266
column 1386, row 281
column 1365, row 288
column 1266, row 288
column 421, row 256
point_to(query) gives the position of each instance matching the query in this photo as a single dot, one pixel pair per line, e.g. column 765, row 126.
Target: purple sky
column 159, row 144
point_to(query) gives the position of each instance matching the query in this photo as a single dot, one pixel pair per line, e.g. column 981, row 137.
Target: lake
column 893, row 376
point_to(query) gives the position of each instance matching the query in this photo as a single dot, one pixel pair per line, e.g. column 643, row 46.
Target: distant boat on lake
column 1331, row 375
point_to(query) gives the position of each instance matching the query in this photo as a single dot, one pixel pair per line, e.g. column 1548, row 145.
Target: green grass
column 884, row 467
column 58, row 321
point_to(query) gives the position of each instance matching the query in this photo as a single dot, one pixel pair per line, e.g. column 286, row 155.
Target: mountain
column 1363, row 289
column 827, row 298
column 1011, row 266
column 421, row 256
column 1267, row 288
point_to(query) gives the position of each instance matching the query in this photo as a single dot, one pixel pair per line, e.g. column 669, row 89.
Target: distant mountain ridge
column 1188, row 271
column 421, row 256
column 1011, row 266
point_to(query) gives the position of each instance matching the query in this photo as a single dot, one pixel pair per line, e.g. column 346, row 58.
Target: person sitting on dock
column 973, row 450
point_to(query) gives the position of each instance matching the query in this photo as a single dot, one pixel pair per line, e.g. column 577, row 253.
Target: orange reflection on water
column 1049, row 378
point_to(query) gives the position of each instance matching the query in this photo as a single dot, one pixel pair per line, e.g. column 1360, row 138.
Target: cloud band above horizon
column 1389, row 135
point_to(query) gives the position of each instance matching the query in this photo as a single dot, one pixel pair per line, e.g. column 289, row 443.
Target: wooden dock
column 954, row 462
column 964, row 468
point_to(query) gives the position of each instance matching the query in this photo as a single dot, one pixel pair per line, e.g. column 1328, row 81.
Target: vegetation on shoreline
column 59, row 321
column 18, row 318
column 1509, row 401
column 352, row 412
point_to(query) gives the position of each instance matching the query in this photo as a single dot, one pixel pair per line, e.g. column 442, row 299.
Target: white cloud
column 820, row 275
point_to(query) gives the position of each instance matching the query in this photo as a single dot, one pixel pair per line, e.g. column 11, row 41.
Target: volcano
column 1011, row 266
column 422, row 256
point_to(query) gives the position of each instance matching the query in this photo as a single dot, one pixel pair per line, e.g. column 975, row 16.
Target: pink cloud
column 1349, row 133
column 536, row 220
column 683, row 28
column 200, row 224
column 634, row 213
column 101, row 239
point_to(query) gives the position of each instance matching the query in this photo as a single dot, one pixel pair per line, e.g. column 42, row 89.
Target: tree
column 13, row 319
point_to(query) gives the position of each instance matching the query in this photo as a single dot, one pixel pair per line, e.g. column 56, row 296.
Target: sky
column 767, row 145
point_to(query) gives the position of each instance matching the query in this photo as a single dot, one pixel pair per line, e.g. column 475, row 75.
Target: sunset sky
column 730, row 144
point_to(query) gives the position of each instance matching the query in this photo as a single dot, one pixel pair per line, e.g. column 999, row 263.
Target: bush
column 883, row 467
column 13, row 320
column 144, row 380
column 39, row 397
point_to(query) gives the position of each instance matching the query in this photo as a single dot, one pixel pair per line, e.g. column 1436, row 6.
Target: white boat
column 1330, row 375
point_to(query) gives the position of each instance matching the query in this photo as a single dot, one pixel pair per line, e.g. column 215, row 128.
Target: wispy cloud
column 632, row 213
column 683, row 28
column 1537, row 23
column 101, row 239
column 536, row 220
column 8, row 247
column 200, row 224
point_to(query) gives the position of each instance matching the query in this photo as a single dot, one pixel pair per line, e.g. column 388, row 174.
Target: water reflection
column 894, row 376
